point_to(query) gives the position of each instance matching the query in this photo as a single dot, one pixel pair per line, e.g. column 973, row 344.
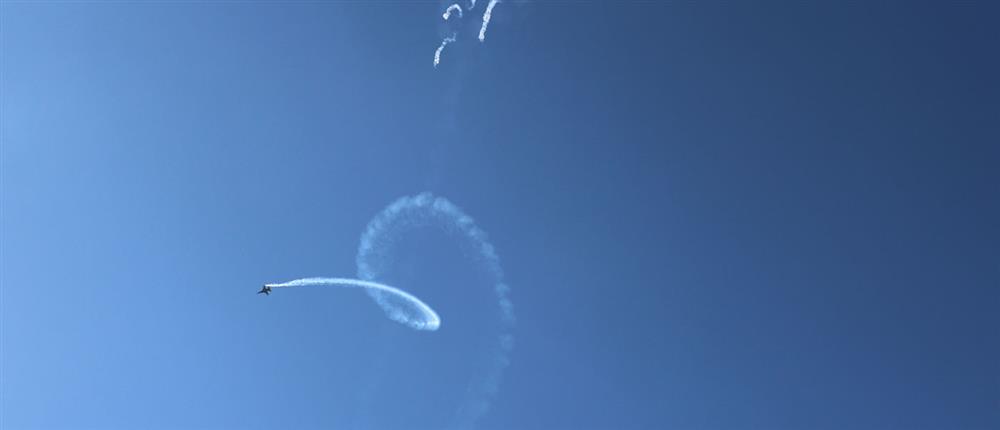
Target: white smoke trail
column 405, row 309
column 486, row 19
column 453, row 8
column 445, row 42
column 472, row 4
column 427, row 210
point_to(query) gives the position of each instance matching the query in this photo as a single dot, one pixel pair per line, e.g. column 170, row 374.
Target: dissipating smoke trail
column 486, row 19
column 437, row 53
column 487, row 16
column 426, row 210
column 453, row 8
column 405, row 309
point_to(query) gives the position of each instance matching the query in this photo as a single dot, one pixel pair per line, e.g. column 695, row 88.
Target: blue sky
column 711, row 215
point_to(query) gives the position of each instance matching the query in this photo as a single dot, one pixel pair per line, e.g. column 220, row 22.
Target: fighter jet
column 266, row 290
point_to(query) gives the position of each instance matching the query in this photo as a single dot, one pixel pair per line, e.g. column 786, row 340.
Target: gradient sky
column 712, row 215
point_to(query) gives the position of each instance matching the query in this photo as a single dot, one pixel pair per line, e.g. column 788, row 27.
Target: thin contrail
column 407, row 309
column 453, row 8
column 486, row 19
column 445, row 42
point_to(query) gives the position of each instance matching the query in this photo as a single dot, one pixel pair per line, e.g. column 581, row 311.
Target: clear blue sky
column 712, row 215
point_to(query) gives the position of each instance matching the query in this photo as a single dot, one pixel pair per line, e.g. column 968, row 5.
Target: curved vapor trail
column 427, row 210
column 486, row 19
column 445, row 42
column 453, row 8
column 410, row 310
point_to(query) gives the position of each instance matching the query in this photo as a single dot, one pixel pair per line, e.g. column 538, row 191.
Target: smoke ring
column 424, row 210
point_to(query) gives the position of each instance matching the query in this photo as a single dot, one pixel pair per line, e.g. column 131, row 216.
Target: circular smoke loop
column 427, row 210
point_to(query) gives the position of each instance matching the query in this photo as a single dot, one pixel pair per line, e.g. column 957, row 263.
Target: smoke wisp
column 487, row 16
column 486, row 19
column 437, row 53
column 453, row 8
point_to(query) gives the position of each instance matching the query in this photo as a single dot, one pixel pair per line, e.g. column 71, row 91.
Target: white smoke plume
column 399, row 305
column 453, row 8
column 486, row 19
column 445, row 42
column 426, row 210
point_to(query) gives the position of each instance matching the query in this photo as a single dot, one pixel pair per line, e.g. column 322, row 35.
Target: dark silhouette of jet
column 266, row 290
